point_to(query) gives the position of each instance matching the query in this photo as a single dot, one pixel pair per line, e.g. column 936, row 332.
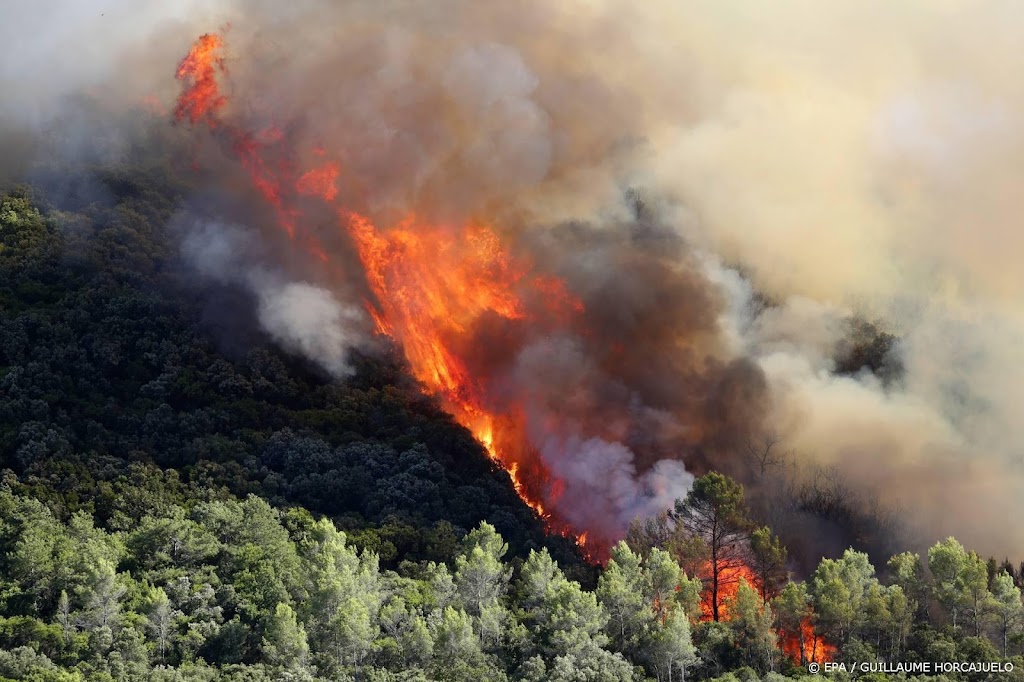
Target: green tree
column 626, row 600
column 162, row 622
column 907, row 571
column 284, row 639
column 714, row 512
column 454, row 637
column 751, row 622
column 961, row 583
column 792, row 608
column 65, row 618
column 671, row 647
column 669, row 585
column 767, row 562
column 171, row 542
column 901, row 611
column 39, row 553
column 344, row 597
column 588, row 664
column 1009, row 610
column 104, row 598
column 259, row 555
column 562, row 618
column 481, row 580
column 415, row 642
column 839, row 588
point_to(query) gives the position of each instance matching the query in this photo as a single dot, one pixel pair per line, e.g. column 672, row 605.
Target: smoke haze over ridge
column 854, row 157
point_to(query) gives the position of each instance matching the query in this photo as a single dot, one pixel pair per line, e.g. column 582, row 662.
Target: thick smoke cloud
column 853, row 157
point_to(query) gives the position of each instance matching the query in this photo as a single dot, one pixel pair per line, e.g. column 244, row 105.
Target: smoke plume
column 303, row 318
column 795, row 165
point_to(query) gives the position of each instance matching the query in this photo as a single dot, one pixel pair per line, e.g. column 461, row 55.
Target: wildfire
column 433, row 285
column 513, row 473
column 728, row 585
column 321, row 181
column 202, row 99
column 806, row 646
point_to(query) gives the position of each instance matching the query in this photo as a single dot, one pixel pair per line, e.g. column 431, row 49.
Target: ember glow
column 807, row 646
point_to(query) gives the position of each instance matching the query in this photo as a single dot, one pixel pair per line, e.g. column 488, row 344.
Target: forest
column 181, row 500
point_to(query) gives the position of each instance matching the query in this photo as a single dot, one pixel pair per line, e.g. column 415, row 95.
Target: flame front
column 202, row 99
column 432, row 284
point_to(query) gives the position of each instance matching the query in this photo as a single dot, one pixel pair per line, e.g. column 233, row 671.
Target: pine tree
column 1009, row 610
column 751, row 621
column 284, row 639
column 714, row 512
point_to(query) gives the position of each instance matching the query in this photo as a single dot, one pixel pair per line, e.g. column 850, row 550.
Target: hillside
column 122, row 391
column 181, row 500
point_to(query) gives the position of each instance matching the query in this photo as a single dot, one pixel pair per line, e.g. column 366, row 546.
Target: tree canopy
column 177, row 503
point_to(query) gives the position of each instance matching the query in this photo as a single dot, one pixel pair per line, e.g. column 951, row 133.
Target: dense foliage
column 118, row 395
column 175, row 505
column 232, row 589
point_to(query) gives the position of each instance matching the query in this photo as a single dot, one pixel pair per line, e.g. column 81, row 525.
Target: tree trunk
column 714, row 572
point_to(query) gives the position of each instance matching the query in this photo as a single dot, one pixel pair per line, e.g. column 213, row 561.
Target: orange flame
column 201, row 99
column 806, row 646
column 321, row 181
column 728, row 586
column 433, row 285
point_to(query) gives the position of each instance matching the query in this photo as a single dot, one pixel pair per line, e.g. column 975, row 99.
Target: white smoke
column 602, row 489
column 309, row 320
column 303, row 318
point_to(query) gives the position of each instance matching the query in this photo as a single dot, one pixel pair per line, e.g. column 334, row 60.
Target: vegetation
column 232, row 589
column 176, row 504
column 120, row 394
